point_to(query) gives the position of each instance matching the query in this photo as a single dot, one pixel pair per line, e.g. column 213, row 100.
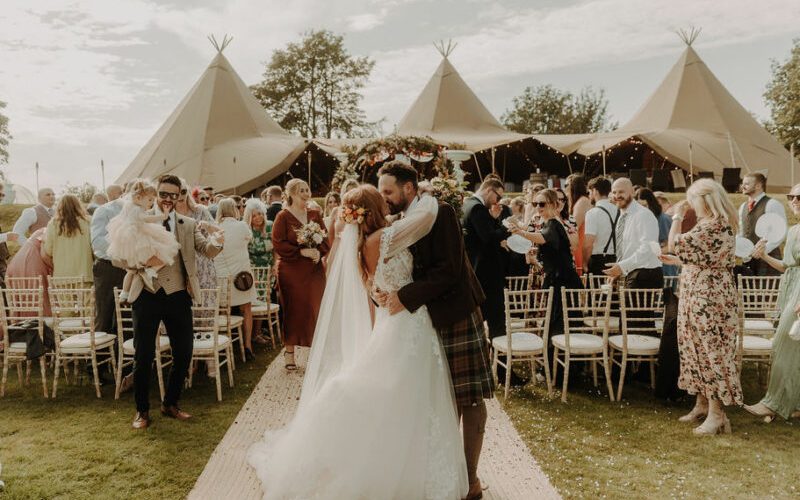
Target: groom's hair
column 401, row 171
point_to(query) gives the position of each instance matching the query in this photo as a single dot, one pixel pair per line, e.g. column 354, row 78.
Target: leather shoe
column 126, row 384
column 142, row 420
column 174, row 412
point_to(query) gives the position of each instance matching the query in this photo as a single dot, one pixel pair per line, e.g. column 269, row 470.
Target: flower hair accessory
column 353, row 215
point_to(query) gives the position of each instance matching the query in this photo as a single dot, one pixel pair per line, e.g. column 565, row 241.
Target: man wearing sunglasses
column 171, row 303
column 758, row 203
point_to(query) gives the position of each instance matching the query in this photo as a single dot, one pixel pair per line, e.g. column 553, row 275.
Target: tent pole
column 691, row 164
column 730, row 147
column 37, row 178
column 478, row 167
column 569, row 164
column 494, row 170
column 791, row 163
column 308, row 157
column 103, row 173
column 604, row 160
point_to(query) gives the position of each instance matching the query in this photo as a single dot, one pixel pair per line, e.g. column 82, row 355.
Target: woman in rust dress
column 301, row 275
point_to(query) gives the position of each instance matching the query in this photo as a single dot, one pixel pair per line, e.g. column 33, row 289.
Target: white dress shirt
column 598, row 225
column 641, row 228
column 26, row 219
column 773, row 207
column 99, row 227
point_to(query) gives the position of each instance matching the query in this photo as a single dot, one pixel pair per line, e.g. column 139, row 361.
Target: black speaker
column 638, row 177
column 731, row 179
column 704, row 175
column 662, row 180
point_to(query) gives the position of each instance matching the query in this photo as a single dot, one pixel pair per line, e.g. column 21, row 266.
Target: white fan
column 519, row 244
column 744, row 247
column 771, row 227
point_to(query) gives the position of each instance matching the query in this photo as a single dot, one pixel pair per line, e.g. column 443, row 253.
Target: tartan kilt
column 467, row 352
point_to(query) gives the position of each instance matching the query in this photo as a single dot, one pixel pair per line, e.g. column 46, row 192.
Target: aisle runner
column 506, row 465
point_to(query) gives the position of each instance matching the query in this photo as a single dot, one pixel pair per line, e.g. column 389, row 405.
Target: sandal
column 289, row 366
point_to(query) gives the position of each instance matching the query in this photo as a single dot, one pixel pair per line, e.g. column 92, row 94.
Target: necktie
column 620, row 233
column 750, row 205
column 166, row 225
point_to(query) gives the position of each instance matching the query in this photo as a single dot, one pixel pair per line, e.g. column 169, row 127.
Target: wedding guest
column 663, row 201
column 530, row 193
column 646, row 198
column 273, row 201
column 200, row 196
column 114, row 192
column 554, row 253
column 68, row 242
column 758, row 203
column 234, row 259
column 579, row 204
column 4, row 237
column 106, row 276
column 212, row 208
column 186, row 206
column 483, row 239
column 707, row 312
column 517, row 205
column 36, row 217
column 301, row 275
column 637, row 265
column 332, row 202
column 599, row 246
column 259, row 248
column 28, row 263
column 98, row 200
column 783, row 393
column 171, row 304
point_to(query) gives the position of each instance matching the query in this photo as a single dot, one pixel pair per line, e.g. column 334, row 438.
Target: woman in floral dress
column 260, row 250
column 707, row 313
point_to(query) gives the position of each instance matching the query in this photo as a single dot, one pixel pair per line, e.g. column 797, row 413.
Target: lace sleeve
column 410, row 229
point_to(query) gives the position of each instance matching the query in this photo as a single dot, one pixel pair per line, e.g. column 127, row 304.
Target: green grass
column 592, row 448
column 78, row 446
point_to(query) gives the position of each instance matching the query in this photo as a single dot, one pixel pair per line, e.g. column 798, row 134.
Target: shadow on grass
column 78, row 446
column 591, row 447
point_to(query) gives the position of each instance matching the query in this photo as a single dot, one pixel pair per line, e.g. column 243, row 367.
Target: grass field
column 592, row 448
column 78, row 446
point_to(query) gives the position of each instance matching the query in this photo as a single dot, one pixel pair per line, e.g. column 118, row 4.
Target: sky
column 92, row 80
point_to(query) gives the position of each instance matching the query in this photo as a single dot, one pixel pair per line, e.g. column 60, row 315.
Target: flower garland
column 353, row 215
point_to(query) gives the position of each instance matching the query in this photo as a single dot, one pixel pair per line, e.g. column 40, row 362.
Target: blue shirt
column 664, row 225
column 99, row 227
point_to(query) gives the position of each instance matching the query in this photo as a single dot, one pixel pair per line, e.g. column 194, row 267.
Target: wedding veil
column 344, row 323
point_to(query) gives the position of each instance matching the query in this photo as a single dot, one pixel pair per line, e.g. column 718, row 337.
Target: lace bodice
column 395, row 272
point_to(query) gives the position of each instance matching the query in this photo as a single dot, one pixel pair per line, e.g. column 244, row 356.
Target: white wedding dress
column 382, row 425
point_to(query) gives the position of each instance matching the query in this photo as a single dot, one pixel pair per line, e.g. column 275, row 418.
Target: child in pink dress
column 135, row 237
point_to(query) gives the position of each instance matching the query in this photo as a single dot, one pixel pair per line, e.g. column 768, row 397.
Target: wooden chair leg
column 230, row 372
column 96, row 374
column 547, row 379
column 508, row 373
column 594, row 372
column 607, row 371
column 5, row 378
column 622, row 367
column 565, row 384
column 55, row 376
column 218, row 378
column 43, row 369
column 653, row 374
column 240, row 329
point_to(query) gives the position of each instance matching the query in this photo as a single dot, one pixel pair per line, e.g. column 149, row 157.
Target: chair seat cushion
column 764, row 325
column 754, row 343
column 127, row 346
column 206, row 342
column 613, row 322
column 260, row 308
column 521, row 342
column 18, row 347
column 81, row 342
column 639, row 345
column 579, row 343
column 236, row 321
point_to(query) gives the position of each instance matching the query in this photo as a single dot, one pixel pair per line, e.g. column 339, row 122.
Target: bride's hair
column 366, row 196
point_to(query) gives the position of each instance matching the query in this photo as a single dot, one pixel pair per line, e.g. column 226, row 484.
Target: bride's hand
column 393, row 304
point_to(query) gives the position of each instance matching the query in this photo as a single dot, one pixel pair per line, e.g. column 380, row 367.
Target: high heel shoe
column 760, row 411
column 712, row 429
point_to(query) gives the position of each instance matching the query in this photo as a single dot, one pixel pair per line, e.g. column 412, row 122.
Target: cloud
column 366, row 22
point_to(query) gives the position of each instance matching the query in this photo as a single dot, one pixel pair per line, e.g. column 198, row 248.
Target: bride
column 376, row 419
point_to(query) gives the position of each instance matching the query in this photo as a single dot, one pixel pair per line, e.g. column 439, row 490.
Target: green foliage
column 783, row 98
column 84, row 192
column 547, row 110
column 313, row 87
column 5, row 135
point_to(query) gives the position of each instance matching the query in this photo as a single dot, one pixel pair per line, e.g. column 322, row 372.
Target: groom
column 445, row 283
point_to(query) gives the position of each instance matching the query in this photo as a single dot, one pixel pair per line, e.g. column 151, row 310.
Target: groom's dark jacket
column 443, row 277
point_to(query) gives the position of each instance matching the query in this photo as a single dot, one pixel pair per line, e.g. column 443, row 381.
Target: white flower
column 317, row 238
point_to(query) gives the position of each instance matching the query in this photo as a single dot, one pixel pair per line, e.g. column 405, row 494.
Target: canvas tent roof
column 448, row 111
column 692, row 106
column 220, row 136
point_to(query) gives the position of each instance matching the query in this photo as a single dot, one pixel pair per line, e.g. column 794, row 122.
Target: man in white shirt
column 599, row 247
column 758, row 204
column 636, row 236
column 36, row 217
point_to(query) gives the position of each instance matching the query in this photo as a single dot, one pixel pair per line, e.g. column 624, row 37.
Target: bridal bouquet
column 311, row 235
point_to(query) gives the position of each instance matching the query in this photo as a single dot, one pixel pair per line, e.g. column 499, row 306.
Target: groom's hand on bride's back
column 393, row 304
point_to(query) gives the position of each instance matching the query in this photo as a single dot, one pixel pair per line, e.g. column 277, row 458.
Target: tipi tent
column 219, row 135
column 17, row 194
column 448, row 111
column 692, row 118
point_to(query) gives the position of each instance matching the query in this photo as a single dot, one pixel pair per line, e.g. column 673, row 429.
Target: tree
column 547, row 110
column 5, row 135
column 783, row 98
column 312, row 87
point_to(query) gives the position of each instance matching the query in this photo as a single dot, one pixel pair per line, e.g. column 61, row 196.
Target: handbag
column 794, row 332
column 243, row 281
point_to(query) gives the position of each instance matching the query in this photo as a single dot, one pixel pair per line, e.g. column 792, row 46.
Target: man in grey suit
column 170, row 303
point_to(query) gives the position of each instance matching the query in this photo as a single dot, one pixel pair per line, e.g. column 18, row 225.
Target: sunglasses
column 165, row 194
column 793, row 197
column 204, row 198
column 540, row 204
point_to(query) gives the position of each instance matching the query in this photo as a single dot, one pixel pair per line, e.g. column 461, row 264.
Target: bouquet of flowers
column 311, row 235
column 449, row 190
column 352, row 215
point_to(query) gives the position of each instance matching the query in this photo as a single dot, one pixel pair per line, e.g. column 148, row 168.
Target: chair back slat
column 585, row 310
column 262, row 280
column 528, row 311
column 640, row 308
column 204, row 318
